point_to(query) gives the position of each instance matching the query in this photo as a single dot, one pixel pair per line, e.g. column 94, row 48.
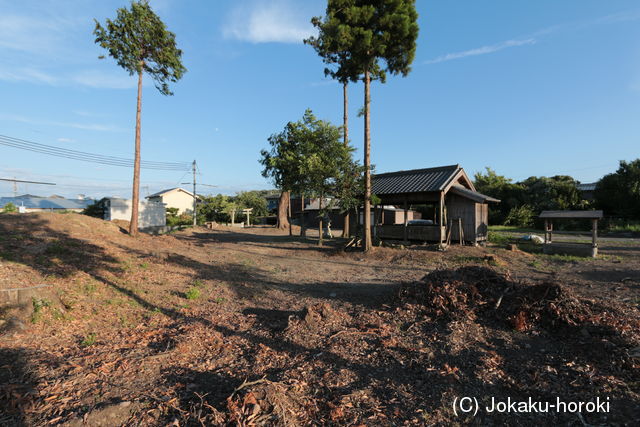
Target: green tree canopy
column 252, row 200
column 618, row 193
column 140, row 42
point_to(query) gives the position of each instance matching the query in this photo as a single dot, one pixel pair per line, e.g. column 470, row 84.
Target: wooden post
column 406, row 221
column 546, row 231
column 550, row 231
column 441, row 222
column 594, row 243
column 233, row 217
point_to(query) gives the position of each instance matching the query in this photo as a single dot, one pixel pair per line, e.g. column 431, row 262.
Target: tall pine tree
column 140, row 43
column 368, row 39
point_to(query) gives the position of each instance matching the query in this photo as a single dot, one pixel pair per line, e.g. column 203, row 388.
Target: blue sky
column 527, row 88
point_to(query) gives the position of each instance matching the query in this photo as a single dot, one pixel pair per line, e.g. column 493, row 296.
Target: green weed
column 89, row 340
column 192, row 294
column 39, row 304
column 498, row 238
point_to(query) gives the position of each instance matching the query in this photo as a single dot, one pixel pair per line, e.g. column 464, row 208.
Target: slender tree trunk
column 303, row 230
column 345, row 228
column 283, row 208
column 289, row 212
column 133, row 225
column 366, row 241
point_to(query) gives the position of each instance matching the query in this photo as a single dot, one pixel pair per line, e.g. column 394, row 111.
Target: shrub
column 521, row 216
column 10, row 207
column 95, row 210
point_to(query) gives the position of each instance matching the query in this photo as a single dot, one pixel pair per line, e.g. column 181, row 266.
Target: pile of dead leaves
column 315, row 323
column 264, row 402
column 480, row 292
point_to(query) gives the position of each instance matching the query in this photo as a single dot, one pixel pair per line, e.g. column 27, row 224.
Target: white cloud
column 482, row 50
column 118, row 79
column 64, row 140
column 99, row 79
column 531, row 39
column 280, row 21
column 30, row 75
column 74, row 125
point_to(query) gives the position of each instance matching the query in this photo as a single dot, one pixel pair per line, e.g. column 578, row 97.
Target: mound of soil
column 471, row 292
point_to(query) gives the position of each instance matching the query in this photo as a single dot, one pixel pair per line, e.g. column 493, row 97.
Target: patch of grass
column 57, row 247
column 566, row 258
column 198, row 283
column 192, row 294
column 219, row 300
column 536, row 263
column 144, row 265
column 125, row 265
column 624, row 227
column 247, row 262
column 498, row 238
column 39, row 304
column 464, row 259
column 89, row 340
column 90, row 288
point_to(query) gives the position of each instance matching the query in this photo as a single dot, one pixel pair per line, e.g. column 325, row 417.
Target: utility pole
column 195, row 198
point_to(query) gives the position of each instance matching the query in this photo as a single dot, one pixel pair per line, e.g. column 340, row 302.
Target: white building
column 175, row 198
column 150, row 214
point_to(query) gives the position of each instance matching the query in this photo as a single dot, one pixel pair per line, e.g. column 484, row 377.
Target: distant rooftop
column 45, row 202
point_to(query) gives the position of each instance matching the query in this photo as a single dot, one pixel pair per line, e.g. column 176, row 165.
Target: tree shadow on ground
column 17, row 387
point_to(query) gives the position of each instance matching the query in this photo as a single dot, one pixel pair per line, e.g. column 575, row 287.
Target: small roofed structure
column 460, row 213
column 580, row 249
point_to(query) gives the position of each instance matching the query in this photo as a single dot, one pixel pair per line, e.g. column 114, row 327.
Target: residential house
column 175, row 198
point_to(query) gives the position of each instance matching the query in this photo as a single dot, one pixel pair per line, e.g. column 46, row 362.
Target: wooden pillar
column 546, row 231
column 406, row 221
column 550, row 231
column 594, row 243
column 441, row 220
column 233, row 217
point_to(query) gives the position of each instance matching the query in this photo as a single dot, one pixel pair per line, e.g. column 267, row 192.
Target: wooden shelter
column 460, row 213
column 582, row 249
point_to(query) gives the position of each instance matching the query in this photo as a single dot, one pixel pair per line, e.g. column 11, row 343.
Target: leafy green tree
column 252, row 200
column 510, row 194
column 369, row 38
column 282, row 163
column 325, row 162
column 618, row 193
column 140, row 43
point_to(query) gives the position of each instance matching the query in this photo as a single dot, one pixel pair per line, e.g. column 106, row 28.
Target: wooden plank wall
column 460, row 207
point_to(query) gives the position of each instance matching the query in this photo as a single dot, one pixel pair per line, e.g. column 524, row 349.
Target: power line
column 28, row 182
column 88, row 157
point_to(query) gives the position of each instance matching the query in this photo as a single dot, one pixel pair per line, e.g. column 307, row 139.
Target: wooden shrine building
column 456, row 211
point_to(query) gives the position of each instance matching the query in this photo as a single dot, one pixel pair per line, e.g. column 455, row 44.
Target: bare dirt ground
column 253, row 327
